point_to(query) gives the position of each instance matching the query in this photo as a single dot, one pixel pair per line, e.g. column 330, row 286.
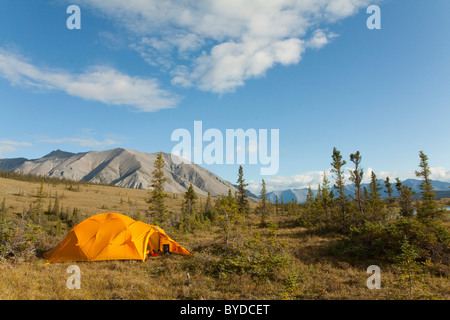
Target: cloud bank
column 211, row 45
column 314, row 178
column 99, row 83
column 217, row 45
column 8, row 146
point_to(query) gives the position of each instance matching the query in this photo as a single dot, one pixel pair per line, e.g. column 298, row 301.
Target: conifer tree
column 405, row 199
column 411, row 271
column 242, row 194
column 375, row 202
column 309, row 197
column 3, row 209
column 366, row 194
column 157, row 194
column 309, row 207
column 229, row 217
column 276, row 204
column 208, row 204
column 356, row 177
column 38, row 203
column 58, row 227
column 189, row 200
column 389, row 191
column 338, row 170
column 189, row 218
column 281, row 205
column 56, row 207
column 326, row 199
column 263, row 206
column 75, row 217
column 428, row 206
column 374, row 187
column 49, row 208
column 209, row 208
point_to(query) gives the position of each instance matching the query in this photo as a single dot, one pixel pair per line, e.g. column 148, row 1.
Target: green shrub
column 259, row 257
column 375, row 239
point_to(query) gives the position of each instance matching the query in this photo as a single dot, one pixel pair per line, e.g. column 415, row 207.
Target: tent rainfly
column 113, row 236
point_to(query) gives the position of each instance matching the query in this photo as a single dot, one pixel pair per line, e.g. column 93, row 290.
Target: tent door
column 166, row 249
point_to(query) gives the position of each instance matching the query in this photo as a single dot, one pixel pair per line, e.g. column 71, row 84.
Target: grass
column 310, row 270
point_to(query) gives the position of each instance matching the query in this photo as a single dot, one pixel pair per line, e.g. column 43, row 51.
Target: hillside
column 120, row 167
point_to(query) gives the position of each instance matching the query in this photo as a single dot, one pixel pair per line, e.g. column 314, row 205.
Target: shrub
column 18, row 241
column 374, row 239
column 256, row 256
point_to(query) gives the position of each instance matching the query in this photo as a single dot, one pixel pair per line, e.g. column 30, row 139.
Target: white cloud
column 217, row 45
column 440, row 173
column 83, row 142
column 8, row 146
column 319, row 39
column 314, row 178
column 299, row 181
column 99, row 83
column 15, row 143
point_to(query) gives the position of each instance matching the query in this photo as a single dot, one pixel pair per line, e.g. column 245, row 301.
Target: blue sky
column 136, row 71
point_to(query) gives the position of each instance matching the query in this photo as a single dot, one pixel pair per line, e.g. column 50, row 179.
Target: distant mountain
column 120, row 167
column 250, row 194
column 441, row 188
column 288, row 195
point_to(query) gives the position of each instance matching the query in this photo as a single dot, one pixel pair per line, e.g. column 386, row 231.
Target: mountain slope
column 120, row 167
column 441, row 188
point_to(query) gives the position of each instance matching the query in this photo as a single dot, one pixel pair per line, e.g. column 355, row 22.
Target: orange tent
column 112, row 236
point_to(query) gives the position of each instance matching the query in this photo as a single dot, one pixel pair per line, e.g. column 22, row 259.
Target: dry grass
column 317, row 274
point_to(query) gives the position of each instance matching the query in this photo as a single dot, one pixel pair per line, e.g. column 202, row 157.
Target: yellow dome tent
column 112, row 236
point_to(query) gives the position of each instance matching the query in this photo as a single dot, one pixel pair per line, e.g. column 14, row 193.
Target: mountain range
column 120, row 167
column 441, row 188
column 133, row 169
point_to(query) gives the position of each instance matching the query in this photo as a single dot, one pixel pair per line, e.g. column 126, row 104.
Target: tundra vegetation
column 242, row 249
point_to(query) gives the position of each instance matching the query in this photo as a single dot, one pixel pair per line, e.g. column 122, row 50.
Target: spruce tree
column 189, row 200
column 428, row 206
column 229, row 217
column 276, row 204
column 326, row 199
column 75, row 216
column 49, row 208
column 157, row 194
column 309, row 208
column 411, row 271
column 389, row 191
column 309, row 197
column 356, row 177
column 209, row 209
column 375, row 202
column 189, row 214
column 242, row 193
column 58, row 227
column 338, row 170
column 405, row 199
column 374, row 188
column 281, row 204
column 56, row 207
column 263, row 206
column 3, row 209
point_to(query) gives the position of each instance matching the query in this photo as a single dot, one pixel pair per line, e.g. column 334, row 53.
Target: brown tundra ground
column 308, row 268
